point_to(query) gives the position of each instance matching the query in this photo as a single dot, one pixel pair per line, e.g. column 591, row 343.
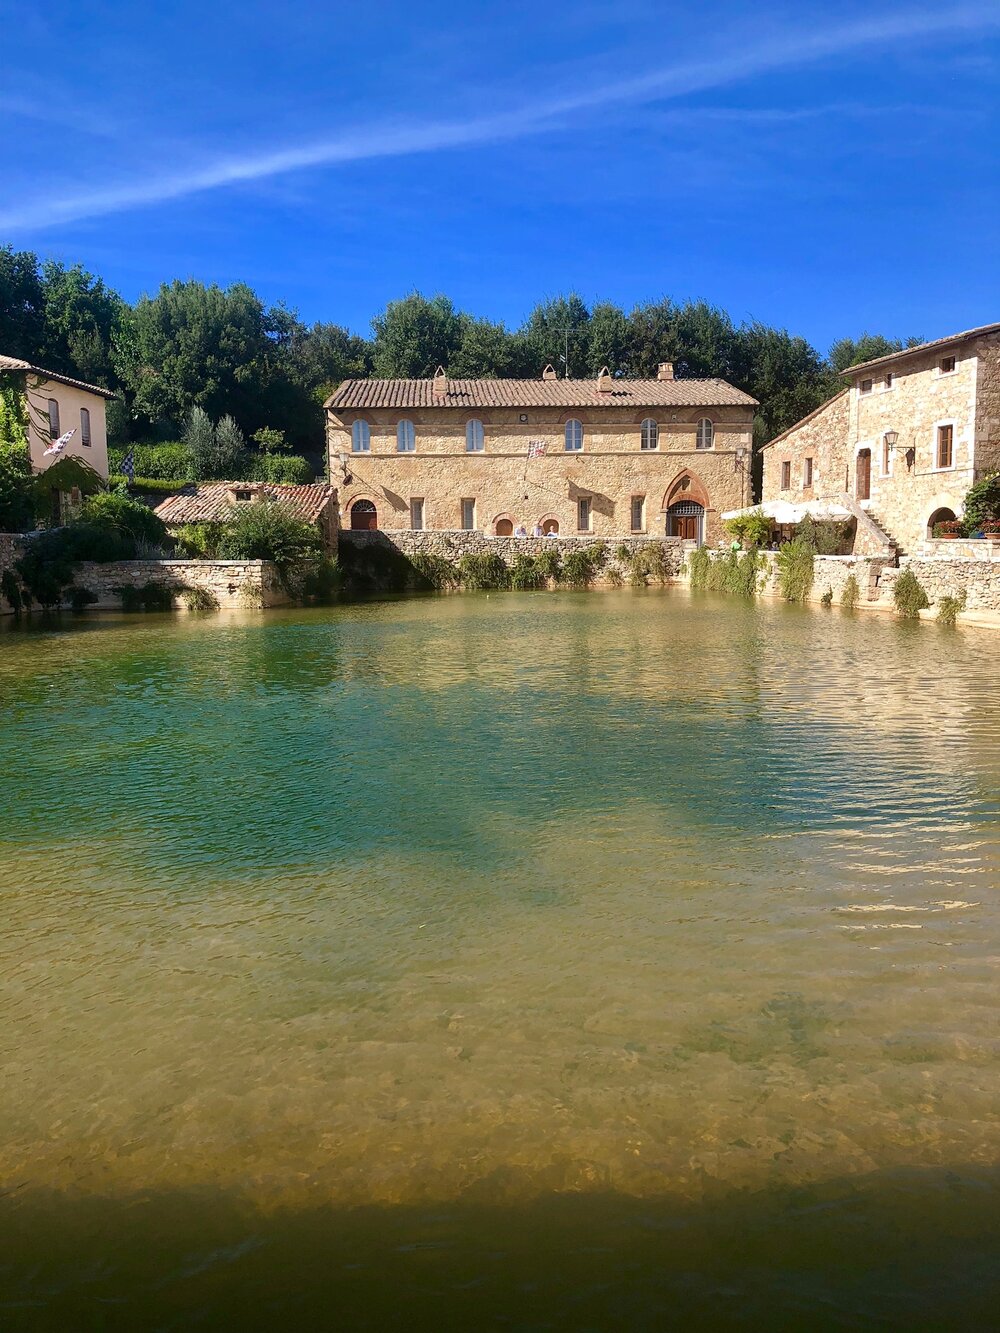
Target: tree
column 557, row 333
column 230, row 450
column 608, row 340
column 22, row 304
column 81, row 316
column 199, row 436
column 847, row 352
column 486, row 350
column 415, row 336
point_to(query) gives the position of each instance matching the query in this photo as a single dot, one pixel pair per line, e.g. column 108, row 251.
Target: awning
column 784, row 512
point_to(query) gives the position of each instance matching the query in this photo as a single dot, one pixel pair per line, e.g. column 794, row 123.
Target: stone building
column 215, row 501
column 54, row 406
column 903, row 441
column 605, row 457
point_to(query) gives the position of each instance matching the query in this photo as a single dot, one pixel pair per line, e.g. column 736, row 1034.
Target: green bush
column 796, row 565
column 48, row 565
column 949, row 607
column 80, row 598
column 270, row 441
column 623, row 553
column 827, row 598
column 11, row 590
column 17, row 491
column 148, row 597
column 982, row 504
column 581, row 565
column 143, row 485
column 851, row 593
column 649, row 561
column 433, row 572
column 824, row 538
column 735, row 572
column 114, row 512
column 199, row 599
column 909, row 596
column 198, row 540
column 322, row 583
column 699, row 564
column 483, row 571
column 157, row 462
column 753, row 529
column 526, row 573
column 549, row 563
column 268, row 531
column 288, row 469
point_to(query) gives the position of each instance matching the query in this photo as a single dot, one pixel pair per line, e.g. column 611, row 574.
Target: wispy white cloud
column 399, row 138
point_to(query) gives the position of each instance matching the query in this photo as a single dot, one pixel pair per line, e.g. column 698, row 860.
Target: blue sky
column 827, row 168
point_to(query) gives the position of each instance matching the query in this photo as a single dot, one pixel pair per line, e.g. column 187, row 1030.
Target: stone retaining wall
column 453, row 545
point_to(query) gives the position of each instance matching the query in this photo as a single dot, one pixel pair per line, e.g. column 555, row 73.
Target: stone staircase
column 873, row 534
column 889, row 536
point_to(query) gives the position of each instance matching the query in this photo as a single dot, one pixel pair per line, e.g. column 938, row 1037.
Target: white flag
column 57, row 446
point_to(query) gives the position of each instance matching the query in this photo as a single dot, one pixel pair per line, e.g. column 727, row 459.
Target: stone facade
column 612, row 485
column 77, row 406
column 925, row 397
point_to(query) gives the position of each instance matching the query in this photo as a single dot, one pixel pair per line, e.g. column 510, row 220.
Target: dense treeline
column 226, row 352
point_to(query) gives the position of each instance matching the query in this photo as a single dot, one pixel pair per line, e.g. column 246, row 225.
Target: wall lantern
column 891, row 436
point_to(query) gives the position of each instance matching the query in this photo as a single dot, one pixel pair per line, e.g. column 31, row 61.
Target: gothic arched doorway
column 686, row 519
column 364, row 516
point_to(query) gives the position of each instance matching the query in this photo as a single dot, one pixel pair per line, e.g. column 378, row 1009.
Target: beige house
column 903, row 441
column 606, row 457
column 55, row 404
column 216, row 501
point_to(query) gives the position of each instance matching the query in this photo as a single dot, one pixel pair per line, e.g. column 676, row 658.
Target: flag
column 57, row 446
column 536, row 448
column 128, row 466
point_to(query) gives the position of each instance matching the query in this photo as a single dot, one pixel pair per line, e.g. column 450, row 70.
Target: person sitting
column 520, row 530
column 538, row 531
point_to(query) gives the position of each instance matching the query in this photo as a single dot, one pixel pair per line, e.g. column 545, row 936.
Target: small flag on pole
column 128, row 466
column 57, row 446
column 536, row 448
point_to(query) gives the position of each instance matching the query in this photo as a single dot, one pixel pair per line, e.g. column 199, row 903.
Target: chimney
column 665, row 370
column 440, row 382
column 604, row 381
column 549, row 373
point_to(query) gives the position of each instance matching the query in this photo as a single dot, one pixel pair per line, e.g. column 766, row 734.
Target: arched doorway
column 863, row 475
column 504, row 527
column 364, row 516
column 550, row 526
column 686, row 519
column 943, row 515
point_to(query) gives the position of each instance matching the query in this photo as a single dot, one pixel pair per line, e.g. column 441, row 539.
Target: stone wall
column 452, row 546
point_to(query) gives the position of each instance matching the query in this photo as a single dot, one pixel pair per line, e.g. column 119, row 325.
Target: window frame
column 807, row 472
column 85, row 435
column 890, row 380
column 863, row 392
column 361, row 437
column 938, row 466
column 53, row 410
column 644, row 433
column 573, row 430
column 786, row 474
column 947, row 365
column 700, row 433
column 406, row 436
column 416, row 511
column 471, row 434
column 638, row 504
column 585, row 508
column 469, row 500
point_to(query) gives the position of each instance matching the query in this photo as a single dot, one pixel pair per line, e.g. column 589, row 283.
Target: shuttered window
column 650, row 435
column 85, row 426
column 53, row 419
column 945, row 445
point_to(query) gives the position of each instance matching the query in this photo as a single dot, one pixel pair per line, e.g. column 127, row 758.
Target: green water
column 573, row 962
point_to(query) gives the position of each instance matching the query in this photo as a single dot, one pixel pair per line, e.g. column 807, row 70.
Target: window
column 474, row 437
column 807, row 473
column 638, row 513
column 945, row 445
column 406, row 437
column 361, row 438
column 574, row 435
column 946, row 365
column 417, row 515
column 706, row 434
column 85, row 426
column 786, row 476
column 53, row 419
column 890, row 379
column 468, row 515
column 865, row 386
column 243, row 497
column 583, row 514
column 650, row 434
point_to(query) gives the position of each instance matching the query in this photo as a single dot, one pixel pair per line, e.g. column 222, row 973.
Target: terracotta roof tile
column 211, row 501
column 357, row 395
column 15, row 363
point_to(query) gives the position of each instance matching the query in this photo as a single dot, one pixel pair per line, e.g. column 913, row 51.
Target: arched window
column 361, row 438
column 574, row 435
column 406, row 437
column 474, row 439
column 364, row 516
column 706, row 434
column 650, row 434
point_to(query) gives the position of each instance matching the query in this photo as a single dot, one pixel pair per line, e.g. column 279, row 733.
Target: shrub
column 824, row 538
column 851, row 593
column 374, row 567
column 143, row 485
column 650, row 561
column 17, row 493
column 80, row 598
column 753, row 529
column 289, row 469
column 199, row 599
column 156, row 462
column 483, row 571
column 623, row 553
column 580, row 565
column 270, row 441
column 795, row 570
column 614, row 576
column 549, row 563
column 951, row 528
column 114, row 512
column 982, row 503
column 268, row 531
column 199, row 540
column 48, row 565
column 433, row 571
column 11, row 590
column 149, row 597
column 526, row 573
column 949, row 607
column 909, row 596
column 322, row 583
column 699, row 565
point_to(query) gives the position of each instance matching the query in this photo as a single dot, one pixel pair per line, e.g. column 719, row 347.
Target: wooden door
column 864, row 475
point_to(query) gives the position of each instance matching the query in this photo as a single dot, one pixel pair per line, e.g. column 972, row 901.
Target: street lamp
column 891, row 436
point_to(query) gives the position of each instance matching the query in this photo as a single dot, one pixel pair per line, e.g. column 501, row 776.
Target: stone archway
column 687, row 487
column 503, row 525
column 944, row 514
column 364, row 516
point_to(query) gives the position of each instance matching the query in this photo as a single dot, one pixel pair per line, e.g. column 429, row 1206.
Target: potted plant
column 991, row 530
column 950, row 529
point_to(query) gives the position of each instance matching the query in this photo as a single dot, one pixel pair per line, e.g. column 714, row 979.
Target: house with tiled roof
column 903, row 441
column 216, row 501
column 599, row 457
